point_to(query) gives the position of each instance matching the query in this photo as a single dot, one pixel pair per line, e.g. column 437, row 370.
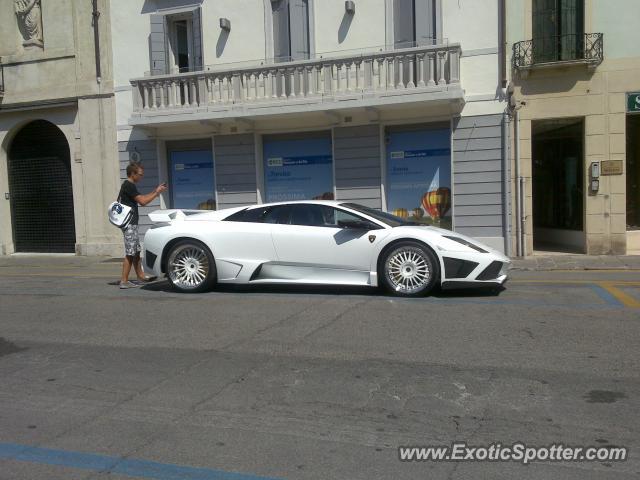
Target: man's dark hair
column 133, row 167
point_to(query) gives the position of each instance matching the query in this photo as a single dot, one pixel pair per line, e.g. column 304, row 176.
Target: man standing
column 130, row 196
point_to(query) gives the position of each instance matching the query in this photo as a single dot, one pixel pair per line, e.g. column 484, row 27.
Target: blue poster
column 192, row 180
column 419, row 176
column 298, row 169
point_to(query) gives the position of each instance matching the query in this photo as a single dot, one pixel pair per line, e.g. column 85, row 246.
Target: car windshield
column 384, row 217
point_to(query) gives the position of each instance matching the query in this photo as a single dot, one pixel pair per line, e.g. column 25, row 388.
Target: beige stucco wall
column 58, row 83
column 599, row 97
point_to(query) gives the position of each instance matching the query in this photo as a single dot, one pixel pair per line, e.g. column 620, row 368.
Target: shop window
column 419, row 174
column 298, row 167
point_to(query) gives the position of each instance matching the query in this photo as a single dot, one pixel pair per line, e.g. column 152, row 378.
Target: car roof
column 332, row 203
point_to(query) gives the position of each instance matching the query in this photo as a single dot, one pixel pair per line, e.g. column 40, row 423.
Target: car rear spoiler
column 172, row 215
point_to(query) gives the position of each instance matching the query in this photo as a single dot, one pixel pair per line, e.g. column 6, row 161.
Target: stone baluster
column 203, row 91
column 320, row 85
column 391, row 62
column 338, row 79
column 432, row 69
column 263, row 76
column 412, row 62
column 283, row 84
column 358, row 70
column 348, row 76
column 400, row 72
column 301, row 76
column 146, row 96
column 193, row 96
column 234, row 83
column 292, row 82
column 220, row 83
column 441, row 59
column 381, row 80
column 420, row 57
column 169, row 85
column 273, row 75
column 152, row 86
column 310, row 80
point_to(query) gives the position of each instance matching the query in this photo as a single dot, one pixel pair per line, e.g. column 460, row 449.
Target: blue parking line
column 117, row 465
column 606, row 296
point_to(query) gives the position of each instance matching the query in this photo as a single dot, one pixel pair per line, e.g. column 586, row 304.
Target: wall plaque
column 611, row 167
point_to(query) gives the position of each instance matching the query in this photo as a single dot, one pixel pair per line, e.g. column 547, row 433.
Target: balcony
column 388, row 77
column 586, row 49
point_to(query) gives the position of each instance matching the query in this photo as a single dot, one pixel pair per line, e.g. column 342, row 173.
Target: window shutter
column 281, row 43
column 299, row 23
column 157, row 45
column 425, row 22
column 198, row 60
column 403, row 28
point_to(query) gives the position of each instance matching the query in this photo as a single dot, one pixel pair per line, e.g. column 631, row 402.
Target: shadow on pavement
column 165, row 286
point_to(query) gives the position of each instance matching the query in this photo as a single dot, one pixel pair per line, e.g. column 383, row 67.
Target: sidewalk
column 577, row 262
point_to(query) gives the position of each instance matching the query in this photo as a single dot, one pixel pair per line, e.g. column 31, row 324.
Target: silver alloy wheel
column 408, row 270
column 188, row 266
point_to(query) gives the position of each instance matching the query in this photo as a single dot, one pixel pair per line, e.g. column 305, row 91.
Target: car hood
column 433, row 233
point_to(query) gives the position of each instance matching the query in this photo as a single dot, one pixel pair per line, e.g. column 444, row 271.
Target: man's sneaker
column 145, row 281
column 124, row 285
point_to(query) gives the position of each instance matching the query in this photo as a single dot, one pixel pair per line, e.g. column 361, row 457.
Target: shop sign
column 633, row 102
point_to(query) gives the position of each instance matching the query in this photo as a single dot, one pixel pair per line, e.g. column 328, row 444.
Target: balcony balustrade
column 587, row 49
column 385, row 73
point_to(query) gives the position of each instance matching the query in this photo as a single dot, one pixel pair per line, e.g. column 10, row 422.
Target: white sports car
column 314, row 242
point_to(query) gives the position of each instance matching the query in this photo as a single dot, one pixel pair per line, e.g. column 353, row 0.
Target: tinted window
column 278, row 214
column 252, row 215
column 309, row 215
column 384, row 217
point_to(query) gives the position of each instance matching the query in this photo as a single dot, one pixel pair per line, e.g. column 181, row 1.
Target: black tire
column 409, row 269
column 191, row 267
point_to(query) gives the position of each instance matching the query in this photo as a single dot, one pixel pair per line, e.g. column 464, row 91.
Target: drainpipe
column 506, row 191
column 516, row 153
column 506, row 160
column 502, row 42
column 96, row 39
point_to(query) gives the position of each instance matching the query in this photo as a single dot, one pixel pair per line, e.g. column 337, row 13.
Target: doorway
column 41, row 191
column 633, row 172
column 558, row 178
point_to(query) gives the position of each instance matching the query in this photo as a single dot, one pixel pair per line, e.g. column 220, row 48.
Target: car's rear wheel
column 191, row 267
column 409, row 269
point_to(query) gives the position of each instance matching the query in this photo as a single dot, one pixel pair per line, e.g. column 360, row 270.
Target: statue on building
column 30, row 21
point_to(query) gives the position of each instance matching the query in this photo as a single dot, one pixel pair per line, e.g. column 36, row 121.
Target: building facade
column 395, row 104
column 58, row 155
column 576, row 161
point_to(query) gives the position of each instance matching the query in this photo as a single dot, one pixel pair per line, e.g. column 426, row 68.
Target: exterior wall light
column 350, row 7
column 225, row 24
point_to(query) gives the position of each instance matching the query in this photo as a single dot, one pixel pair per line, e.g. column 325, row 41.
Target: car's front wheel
column 409, row 269
column 191, row 267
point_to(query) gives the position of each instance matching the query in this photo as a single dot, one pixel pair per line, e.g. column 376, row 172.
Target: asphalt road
column 311, row 383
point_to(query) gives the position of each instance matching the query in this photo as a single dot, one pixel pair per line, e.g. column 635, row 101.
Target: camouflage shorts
column 131, row 240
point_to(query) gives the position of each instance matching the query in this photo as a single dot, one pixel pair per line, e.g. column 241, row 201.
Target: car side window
column 307, row 214
column 250, row 215
column 278, row 214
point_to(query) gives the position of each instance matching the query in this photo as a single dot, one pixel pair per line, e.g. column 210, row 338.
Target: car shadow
column 165, row 286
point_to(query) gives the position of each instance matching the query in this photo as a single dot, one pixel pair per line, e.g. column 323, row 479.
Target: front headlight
column 466, row 243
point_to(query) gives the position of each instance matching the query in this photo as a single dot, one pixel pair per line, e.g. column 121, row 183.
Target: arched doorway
column 41, row 190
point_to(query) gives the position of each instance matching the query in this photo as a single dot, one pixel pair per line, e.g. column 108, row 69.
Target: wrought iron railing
column 588, row 48
column 404, row 70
